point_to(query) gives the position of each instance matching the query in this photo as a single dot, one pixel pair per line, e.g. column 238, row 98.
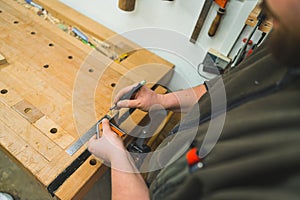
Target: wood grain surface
column 55, row 87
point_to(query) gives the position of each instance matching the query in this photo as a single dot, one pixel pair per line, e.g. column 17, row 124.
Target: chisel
column 215, row 24
column 201, row 20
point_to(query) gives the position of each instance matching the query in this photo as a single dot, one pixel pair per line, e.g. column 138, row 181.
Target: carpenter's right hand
column 144, row 99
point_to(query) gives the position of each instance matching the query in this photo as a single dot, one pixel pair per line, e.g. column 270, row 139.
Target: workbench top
column 54, row 87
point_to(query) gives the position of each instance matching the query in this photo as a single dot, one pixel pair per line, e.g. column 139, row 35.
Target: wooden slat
column 8, row 95
column 73, row 17
column 48, row 127
column 28, row 133
column 82, row 179
column 252, row 20
column 21, row 150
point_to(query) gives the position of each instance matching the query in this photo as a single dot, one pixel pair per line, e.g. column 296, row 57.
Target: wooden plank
column 90, row 168
column 28, row 133
column 97, row 30
column 70, row 16
column 12, row 11
column 252, row 20
column 28, row 111
column 21, row 150
column 56, row 166
column 56, row 133
column 8, row 95
column 142, row 62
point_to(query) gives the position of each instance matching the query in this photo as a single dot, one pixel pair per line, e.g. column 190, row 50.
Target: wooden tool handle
column 215, row 24
column 127, row 5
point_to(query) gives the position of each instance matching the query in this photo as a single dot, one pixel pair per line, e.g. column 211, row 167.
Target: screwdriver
column 129, row 94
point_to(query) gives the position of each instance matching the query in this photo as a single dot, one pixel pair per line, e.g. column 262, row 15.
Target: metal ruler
column 93, row 131
column 201, row 20
column 82, row 140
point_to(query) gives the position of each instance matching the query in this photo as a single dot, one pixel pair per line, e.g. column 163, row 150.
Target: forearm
column 127, row 183
column 183, row 100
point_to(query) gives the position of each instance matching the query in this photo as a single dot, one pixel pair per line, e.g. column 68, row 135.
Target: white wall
column 173, row 24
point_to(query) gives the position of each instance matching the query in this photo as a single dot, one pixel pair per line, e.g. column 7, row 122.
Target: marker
column 80, row 34
column 34, row 4
column 130, row 94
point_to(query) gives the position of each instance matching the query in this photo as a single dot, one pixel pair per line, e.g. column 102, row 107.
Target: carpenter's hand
column 109, row 146
column 143, row 100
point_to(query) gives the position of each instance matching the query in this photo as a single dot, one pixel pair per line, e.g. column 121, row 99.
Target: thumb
column 105, row 126
column 127, row 104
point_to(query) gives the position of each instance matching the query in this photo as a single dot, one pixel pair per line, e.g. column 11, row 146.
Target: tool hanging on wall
column 201, row 20
column 254, row 20
column 127, row 5
column 241, row 54
column 215, row 24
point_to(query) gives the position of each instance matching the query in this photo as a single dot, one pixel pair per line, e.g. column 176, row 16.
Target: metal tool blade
column 82, row 140
column 201, row 20
column 85, row 137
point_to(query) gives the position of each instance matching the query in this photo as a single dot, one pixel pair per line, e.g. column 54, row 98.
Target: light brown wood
column 80, row 178
column 267, row 24
column 2, row 60
column 55, row 87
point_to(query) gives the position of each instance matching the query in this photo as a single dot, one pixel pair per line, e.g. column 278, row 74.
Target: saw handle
column 215, row 24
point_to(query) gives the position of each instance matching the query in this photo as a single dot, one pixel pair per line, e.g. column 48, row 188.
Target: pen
column 80, row 34
column 34, row 4
column 130, row 94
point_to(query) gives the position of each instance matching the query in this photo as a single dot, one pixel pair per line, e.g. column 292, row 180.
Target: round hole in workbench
column 46, row 66
column 27, row 110
column 0, row 11
column 53, row 130
column 70, row 57
column 16, row 22
column 113, row 85
column 51, row 44
column 93, row 162
column 4, row 91
column 91, row 70
column 32, row 33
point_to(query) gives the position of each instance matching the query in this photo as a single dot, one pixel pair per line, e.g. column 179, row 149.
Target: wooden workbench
column 54, row 88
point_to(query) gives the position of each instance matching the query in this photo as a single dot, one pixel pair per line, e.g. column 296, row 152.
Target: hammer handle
column 215, row 24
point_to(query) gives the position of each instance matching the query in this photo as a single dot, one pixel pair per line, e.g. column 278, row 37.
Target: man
column 257, row 154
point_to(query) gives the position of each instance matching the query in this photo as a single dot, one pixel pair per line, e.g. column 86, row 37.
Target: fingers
column 122, row 92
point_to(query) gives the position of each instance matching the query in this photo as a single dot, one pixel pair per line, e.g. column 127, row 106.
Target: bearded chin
column 284, row 45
